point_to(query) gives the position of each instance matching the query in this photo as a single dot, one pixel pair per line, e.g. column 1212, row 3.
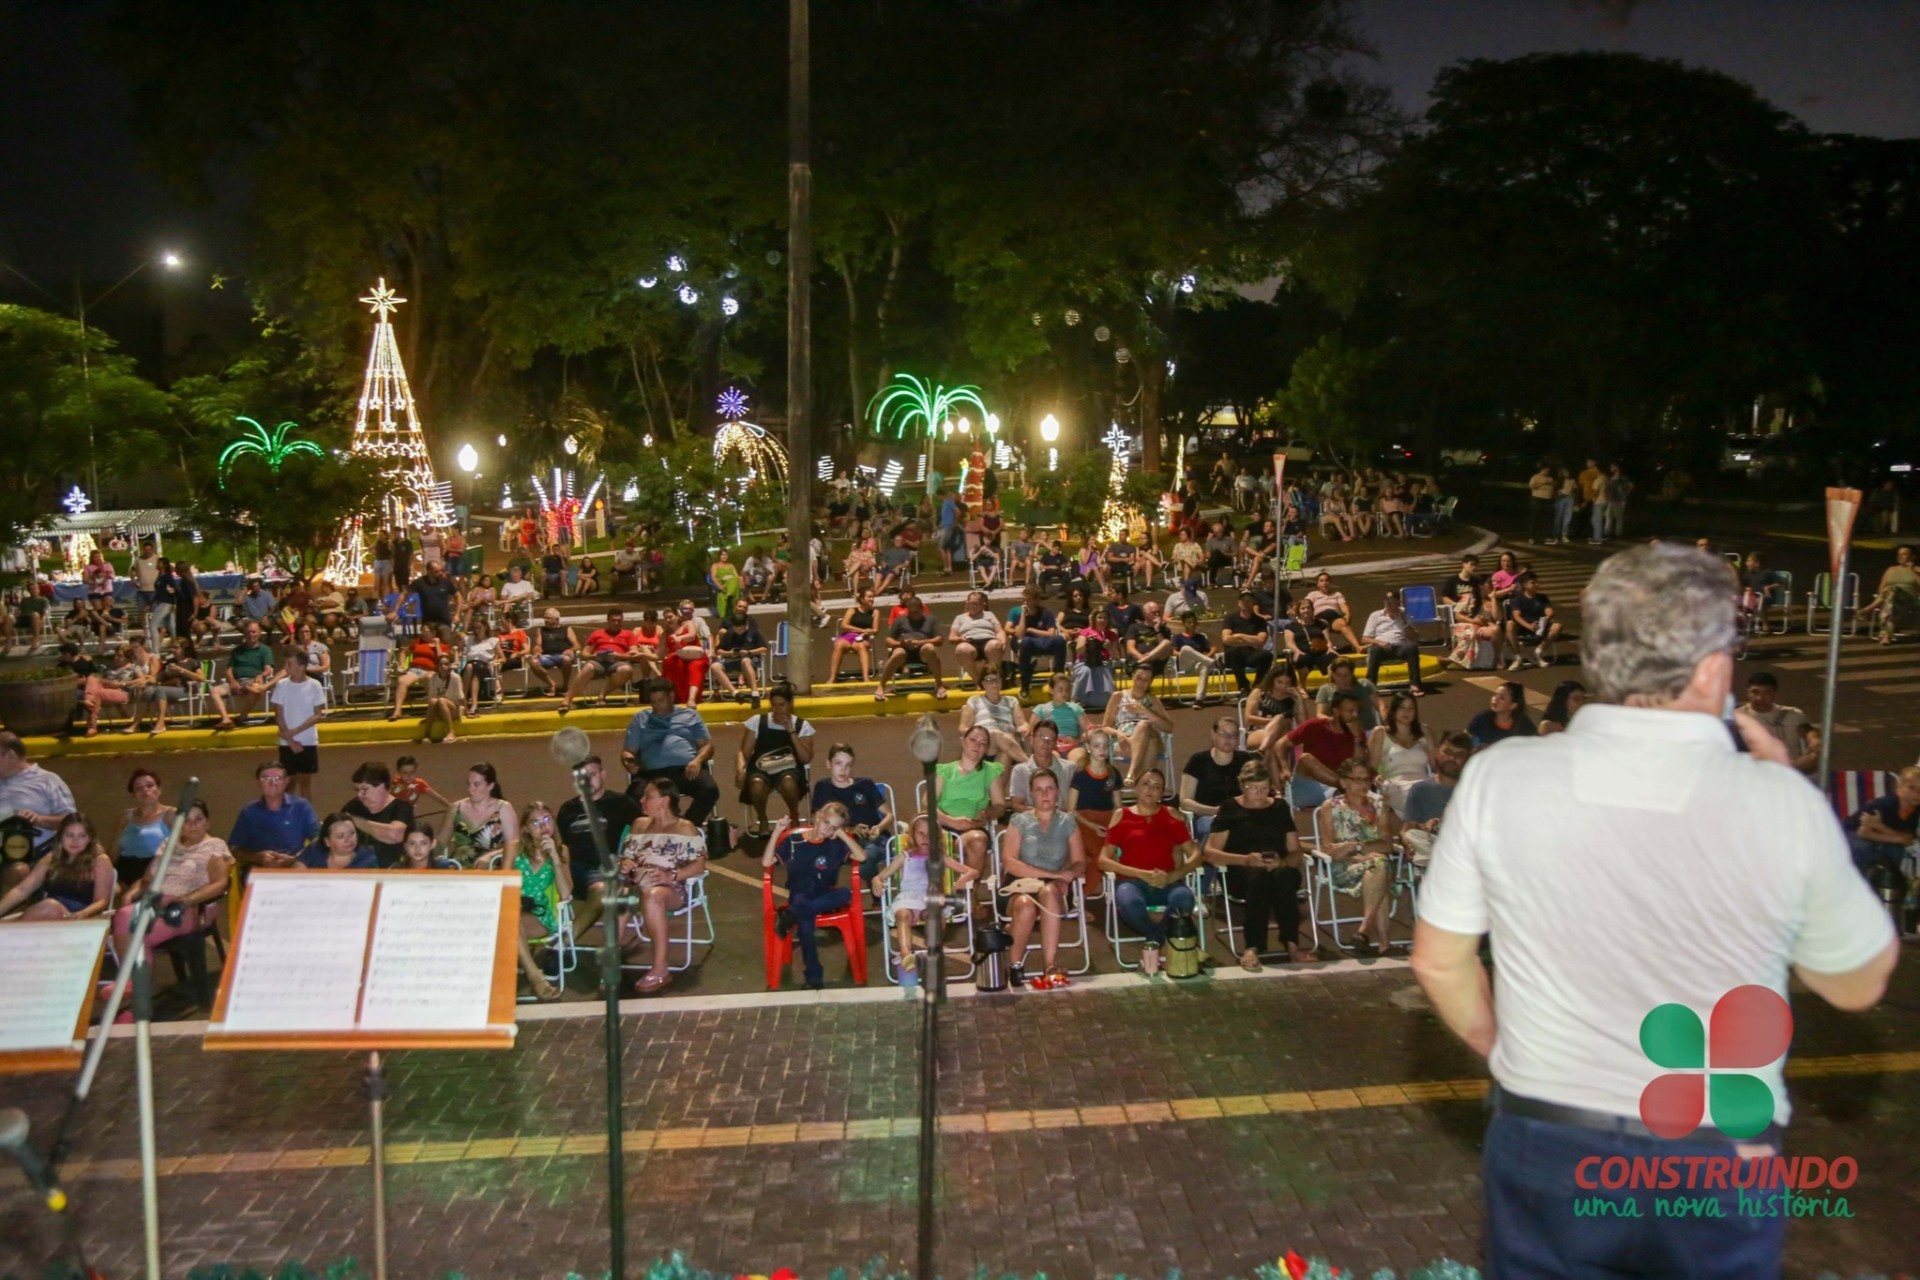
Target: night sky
column 72, row 191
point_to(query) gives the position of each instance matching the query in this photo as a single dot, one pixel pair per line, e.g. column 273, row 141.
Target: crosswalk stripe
column 1883, row 659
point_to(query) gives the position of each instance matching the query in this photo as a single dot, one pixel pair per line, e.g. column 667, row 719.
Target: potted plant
column 36, row 701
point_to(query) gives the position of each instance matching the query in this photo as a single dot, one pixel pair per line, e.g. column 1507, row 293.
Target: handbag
column 776, row 762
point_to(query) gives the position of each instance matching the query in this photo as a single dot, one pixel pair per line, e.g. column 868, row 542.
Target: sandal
column 224, row 725
column 1057, row 978
column 940, row 692
column 1250, row 961
column 545, row 992
column 654, row 980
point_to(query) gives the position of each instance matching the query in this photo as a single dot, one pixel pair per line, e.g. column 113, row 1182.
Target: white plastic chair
column 959, row 913
column 684, row 938
column 1115, row 931
column 1076, row 912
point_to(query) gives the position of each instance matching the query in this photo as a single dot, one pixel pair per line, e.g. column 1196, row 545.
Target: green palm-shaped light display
column 273, row 447
column 910, row 401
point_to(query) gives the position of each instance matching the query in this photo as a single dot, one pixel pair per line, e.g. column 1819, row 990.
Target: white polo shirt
column 1638, row 860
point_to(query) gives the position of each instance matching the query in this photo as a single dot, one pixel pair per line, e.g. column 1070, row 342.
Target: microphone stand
column 612, row 905
column 136, row 969
column 925, row 743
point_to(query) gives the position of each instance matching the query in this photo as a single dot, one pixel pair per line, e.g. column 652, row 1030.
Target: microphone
column 13, row 1141
column 570, row 746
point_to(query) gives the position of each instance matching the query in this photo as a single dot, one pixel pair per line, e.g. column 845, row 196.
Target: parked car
column 1750, row 456
column 1464, row 457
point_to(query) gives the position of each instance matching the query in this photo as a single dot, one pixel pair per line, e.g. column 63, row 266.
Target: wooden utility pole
column 800, row 603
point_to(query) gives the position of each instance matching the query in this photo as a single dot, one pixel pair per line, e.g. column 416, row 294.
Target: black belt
column 1501, row 1102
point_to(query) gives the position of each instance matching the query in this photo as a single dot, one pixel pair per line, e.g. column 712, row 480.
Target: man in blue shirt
column 272, row 831
column 258, row 602
column 666, row 740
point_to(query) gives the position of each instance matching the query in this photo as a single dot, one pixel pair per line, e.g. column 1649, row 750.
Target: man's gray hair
column 1650, row 615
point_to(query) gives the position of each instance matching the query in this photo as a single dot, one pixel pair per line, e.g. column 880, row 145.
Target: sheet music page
column 44, row 971
column 301, row 953
column 431, row 967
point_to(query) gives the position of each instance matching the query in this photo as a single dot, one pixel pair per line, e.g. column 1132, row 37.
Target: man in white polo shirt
column 1676, row 871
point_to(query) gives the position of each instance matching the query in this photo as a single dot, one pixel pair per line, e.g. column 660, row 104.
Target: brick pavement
column 1137, row 1129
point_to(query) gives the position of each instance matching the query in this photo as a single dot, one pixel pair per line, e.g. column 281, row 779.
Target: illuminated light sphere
column 169, row 259
column 647, row 282
column 689, row 294
column 571, row 445
column 966, row 427
column 993, row 424
column 1187, row 282
column 732, row 272
column 501, row 439
column 1102, row 333
column 729, row 306
column 1072, row 317
column 773, row 257
column 468, row 458
column 647, row 440
column 1121, row 355
column 1050, row 428
column 676, row 263
column 1038, row 319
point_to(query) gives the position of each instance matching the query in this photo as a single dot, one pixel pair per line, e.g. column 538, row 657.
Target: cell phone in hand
column 1733, row 728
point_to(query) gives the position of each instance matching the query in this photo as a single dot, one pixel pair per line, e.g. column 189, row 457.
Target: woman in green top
column 969, row 794
column 546, row 881
column 726, row 585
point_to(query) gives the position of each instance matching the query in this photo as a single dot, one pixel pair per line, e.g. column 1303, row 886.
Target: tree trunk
column 1152, row 372
column 856, row 389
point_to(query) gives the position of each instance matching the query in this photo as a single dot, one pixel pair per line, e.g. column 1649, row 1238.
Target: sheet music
column 44, row 972
column 431, row 967
column 301, row 953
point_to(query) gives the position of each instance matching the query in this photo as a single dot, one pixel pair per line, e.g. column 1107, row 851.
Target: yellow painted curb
column 543, row 721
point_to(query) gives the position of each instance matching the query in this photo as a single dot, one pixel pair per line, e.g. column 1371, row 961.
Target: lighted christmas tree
column 388, row 429
column 1118, row 518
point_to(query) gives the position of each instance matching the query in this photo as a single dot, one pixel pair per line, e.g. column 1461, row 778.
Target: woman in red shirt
column 1149, row 850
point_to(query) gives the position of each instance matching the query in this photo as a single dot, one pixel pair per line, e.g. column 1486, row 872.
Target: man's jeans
column 1533, row 1231
column 806, row 909
column 1383, row 653
column 1133, row 899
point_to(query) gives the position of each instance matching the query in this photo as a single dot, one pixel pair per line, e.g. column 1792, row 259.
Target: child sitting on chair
column 914, row 867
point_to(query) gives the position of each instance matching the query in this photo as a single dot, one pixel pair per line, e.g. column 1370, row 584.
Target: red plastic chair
column 850, row 922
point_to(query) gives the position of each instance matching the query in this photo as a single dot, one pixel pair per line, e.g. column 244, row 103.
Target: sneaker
column 1517, row 663
column 1543, row 656
column 910, row 982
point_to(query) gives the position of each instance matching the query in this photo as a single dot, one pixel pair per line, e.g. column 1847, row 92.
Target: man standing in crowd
column 1699, row 871
column 298, row 702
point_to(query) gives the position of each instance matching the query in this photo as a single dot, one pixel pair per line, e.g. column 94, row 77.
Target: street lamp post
column 469, row 460
column 81, row 304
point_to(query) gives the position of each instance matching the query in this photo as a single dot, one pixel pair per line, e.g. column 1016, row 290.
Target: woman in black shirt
column 1255, row 840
